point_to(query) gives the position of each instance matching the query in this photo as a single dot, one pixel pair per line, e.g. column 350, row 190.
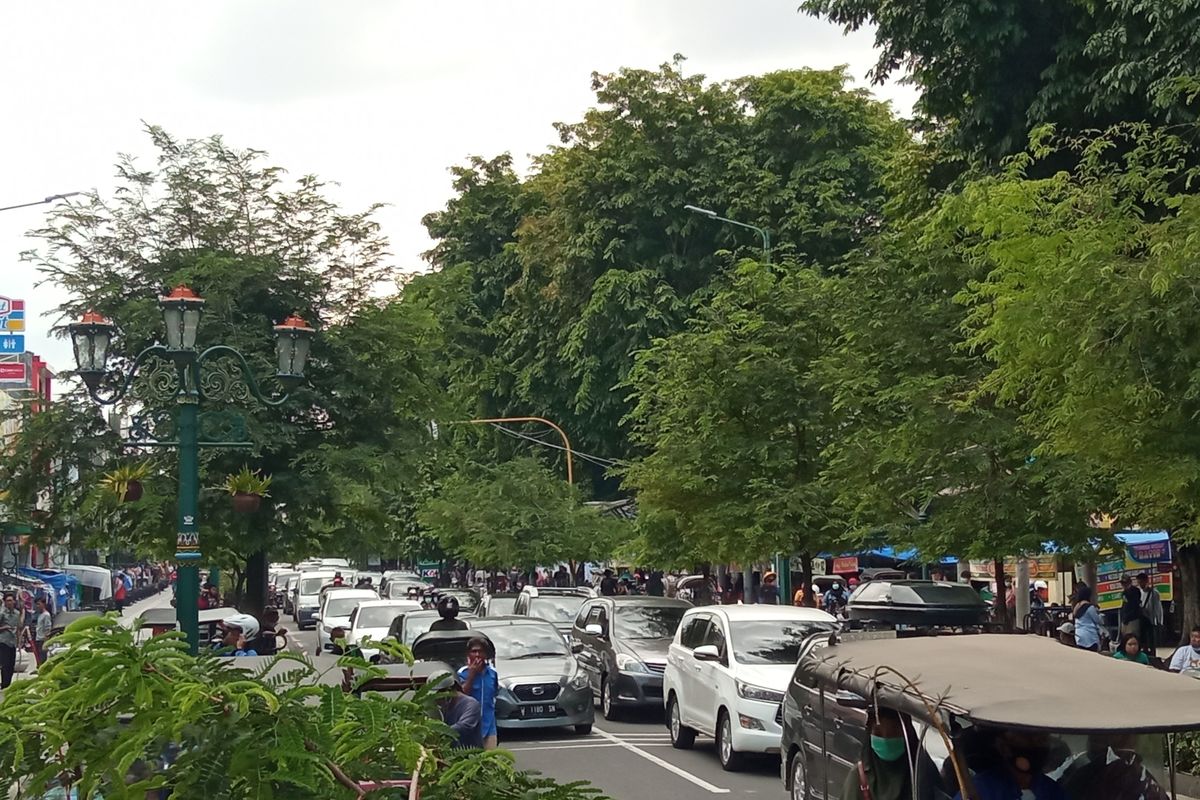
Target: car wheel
column 682, row 737
column 607, row 707
column 584, row 729
column 731, row 760
column 799, row 778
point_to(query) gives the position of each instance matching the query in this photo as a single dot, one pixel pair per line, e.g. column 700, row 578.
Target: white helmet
column 247, row 624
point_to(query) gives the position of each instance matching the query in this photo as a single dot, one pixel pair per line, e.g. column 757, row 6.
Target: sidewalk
column 25, row 664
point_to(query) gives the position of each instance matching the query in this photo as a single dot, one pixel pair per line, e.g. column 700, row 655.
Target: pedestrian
column 1128, row 649
column 43, row 623
column 1186, row 659
column 608, row 584
column 12, row 622
column 1152, row 614
column 1090, row 633
column 654, row 584
column 481, row 681
column 1131, row 607
column 119, row 591
column 461, row 712
column 800, row 597
column 768, row 593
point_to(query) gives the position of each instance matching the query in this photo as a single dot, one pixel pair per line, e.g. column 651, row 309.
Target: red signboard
column 12, row 371
column 845, row 565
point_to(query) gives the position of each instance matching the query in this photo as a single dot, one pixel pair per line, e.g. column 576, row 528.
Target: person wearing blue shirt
column 481, row 681
column 1089, row 626
column 1021, row 773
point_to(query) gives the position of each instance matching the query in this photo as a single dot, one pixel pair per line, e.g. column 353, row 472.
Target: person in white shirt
column 43, row 624
column 1186, row 659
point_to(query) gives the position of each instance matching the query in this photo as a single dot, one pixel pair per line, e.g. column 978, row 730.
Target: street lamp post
column 188, row 377
column 782, row 565
column 41, row 202
column 762, row 232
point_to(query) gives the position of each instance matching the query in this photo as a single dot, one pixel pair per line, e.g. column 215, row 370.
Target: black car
column 621, row 643
column 916, row 604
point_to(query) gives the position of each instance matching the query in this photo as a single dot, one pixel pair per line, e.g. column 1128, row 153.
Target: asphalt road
column 627, row 760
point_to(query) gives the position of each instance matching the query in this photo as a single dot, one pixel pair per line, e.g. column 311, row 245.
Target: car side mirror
column 707, row 652
column 593, row 629
column 576, row 648
column 848, row 699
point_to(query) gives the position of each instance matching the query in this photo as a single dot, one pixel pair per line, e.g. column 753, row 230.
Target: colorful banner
column 1041, row 568
column 1153, row 558
column 845, row 565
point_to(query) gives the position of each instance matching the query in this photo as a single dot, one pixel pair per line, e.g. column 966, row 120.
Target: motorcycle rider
column 447, row 608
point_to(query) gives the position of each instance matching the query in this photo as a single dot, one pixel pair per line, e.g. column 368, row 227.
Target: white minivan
column 306, row 601
column 727, row 670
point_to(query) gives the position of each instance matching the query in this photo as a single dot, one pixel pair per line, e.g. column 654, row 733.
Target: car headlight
column 579, row 680
column 627, row 663
column 751, row 692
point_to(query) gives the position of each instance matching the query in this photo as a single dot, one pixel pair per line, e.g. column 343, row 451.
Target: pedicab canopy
column 1010, row 681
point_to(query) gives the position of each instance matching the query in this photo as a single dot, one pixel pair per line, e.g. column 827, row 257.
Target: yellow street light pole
column 561, row 432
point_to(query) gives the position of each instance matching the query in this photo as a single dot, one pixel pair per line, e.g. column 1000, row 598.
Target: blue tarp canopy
column 62, row 583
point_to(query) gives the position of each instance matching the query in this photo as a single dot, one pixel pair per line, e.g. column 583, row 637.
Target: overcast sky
column 379, row 95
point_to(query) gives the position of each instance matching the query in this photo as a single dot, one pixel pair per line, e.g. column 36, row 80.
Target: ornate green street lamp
column 188, row 377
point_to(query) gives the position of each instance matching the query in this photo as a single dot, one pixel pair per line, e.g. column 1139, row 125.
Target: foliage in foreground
column 101, row 714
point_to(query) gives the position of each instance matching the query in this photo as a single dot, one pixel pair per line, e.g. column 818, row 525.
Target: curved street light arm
column 762, row 232
column 247, row 373
column 130, row 376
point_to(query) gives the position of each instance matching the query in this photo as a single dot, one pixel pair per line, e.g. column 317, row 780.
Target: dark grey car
column 622, row 643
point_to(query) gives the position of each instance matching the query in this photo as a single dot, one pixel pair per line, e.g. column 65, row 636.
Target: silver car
column 541, row 685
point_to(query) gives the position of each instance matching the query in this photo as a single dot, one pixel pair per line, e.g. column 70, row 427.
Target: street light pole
column 43, row 201
column 762, row 232
column 177, row 376
column 561, row 433
column 782, row 564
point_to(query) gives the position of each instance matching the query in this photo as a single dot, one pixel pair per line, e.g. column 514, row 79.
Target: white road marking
column 668, row 766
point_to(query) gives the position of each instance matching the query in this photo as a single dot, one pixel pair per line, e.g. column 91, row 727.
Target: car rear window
column 775, row 641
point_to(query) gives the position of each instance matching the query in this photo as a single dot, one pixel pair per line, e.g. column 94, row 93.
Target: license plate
column 529, row 712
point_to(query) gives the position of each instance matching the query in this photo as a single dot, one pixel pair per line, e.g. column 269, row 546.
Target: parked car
column 623, row 643
column 557, row 605
column 497, row 604
column 335, row 612
column 727, row 670
column 306, row 596
column 371, row 619
column 541, row 685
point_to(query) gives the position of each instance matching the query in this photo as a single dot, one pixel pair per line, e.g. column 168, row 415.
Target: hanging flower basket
column 245, row 503
column 248, row 489
column 133, row 492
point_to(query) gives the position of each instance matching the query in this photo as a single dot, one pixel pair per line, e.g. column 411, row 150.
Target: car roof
column 1026, row 682
column 645, row 600
column 508, row 619
column 762, row 611
column 351, row 592
column 386, row 601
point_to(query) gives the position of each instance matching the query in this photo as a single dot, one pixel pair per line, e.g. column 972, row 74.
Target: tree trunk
column 255, row 600
column 1001, row 599
column 806, row 580
column 1185, row 611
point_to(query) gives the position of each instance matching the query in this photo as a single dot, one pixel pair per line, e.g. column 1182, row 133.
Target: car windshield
column 378, row 616
column 341, row 606
column 415, row 625
column 310, row 586
column 772, row 641
column 561, row 608
column 499, row 606
column 526, row 641
column 466, row 600
column 648, row 622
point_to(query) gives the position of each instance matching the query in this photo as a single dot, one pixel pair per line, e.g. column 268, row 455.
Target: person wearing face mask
column 1021, row 773
column 890, row 760
column 1186, row 660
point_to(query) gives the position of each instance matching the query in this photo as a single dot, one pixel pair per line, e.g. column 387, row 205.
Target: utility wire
column 597, row 460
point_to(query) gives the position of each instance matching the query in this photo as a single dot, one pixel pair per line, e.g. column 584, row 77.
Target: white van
column 305, row 603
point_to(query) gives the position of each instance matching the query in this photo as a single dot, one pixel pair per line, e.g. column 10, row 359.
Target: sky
column 380, row 96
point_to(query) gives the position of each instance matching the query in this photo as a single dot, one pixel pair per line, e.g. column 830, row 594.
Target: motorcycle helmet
column 247, row 624
column 447, row 607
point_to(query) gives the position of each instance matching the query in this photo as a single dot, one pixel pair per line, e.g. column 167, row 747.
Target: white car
column 372, row 619
column 335, row 612
column 727, row 670
column 306, row 596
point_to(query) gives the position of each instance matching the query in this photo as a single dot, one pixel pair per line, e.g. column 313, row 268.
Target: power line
column 597, row 460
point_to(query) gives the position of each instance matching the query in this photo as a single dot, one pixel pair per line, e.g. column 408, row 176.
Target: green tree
column 733, row 425
column 517, row 513
column 990, row 72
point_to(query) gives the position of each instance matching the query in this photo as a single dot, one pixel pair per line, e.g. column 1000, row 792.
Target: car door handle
column 838, row 722
column 808, row 710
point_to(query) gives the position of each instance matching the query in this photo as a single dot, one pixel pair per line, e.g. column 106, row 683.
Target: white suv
column 727, row 670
